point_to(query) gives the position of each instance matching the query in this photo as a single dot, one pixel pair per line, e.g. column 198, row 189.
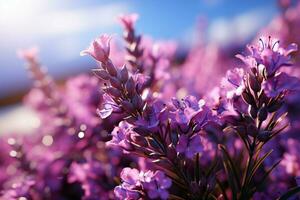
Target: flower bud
column 263, row 136
column 263, row 98
column 129, row 36
column 140, row 140
column 253, row 111
column 262, row 114
column 111, row 69
column 113, row 91
column 254, row 84
column 274, row 106
column 130, row 86
column 127, row 106
column 124, row 74
column 101, row 73
column 248, row 98
column 137, row 102
column 116, row 83
column 142, row 131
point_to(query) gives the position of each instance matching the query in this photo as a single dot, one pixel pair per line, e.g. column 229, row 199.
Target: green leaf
column 277, row 132
column 197, row 168
column 223, row 191
column 231, row 165
column 245, row 141
column 231, row 171
column 258, row 164
column 265, row 176
column 290, row 193
column 212, row 167
column 230, row 180
column 175, row 197
column 212, row 197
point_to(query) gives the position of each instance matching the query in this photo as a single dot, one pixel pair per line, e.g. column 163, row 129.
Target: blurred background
column 61, row 29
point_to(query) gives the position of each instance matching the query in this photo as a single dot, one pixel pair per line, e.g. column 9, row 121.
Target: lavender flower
column 121, row 136
column 157, row 185
column 129, row 20
column 99, row 48
column 281, row 83
column 269, row 55
column 189, row 146
column 224, row 143
column 136, row 184
column 234, row 82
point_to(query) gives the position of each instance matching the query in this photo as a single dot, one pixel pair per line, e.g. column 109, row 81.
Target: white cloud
column 239, row 28
column 34, row 19
column 84, row 19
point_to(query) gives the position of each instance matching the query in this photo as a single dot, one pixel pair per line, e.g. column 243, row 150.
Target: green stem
column 246, row 182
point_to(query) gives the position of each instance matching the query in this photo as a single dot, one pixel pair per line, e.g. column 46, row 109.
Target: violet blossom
column 269, row 54
column 99, row 48
column 189, row 146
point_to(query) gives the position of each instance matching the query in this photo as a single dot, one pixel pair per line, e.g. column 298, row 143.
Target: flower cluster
column 137, row 185
column 157, row 129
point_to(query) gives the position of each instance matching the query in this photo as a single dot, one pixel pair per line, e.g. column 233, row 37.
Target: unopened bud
column 263, row 136
column 140, row 140
column 253, row 111
column 127, row 106
column 262, row 114
column 254, row 84
column 129, row 36
column 130, row 86
column 248, row 98
column 137, row 101
column 116, row 83
column 111, row 69
column 113, row 91
column 124, row 74
column 274, row 106
column 101, row 73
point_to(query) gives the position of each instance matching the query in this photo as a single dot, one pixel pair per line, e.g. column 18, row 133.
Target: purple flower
column 126, row 194
column 121, row 136
column 99, row 49
column 28, row 54
column 87, row 174
column 269, row 54
column 21, row 187
column 82, row 98
column 189, row 145
column 109, row 106
column 182, row 112
column 153, row 115
column 131, row 184
column 234, row 82
column 131, row 177
column 157, row 184
column 136, row 183
column 281, row 83
column 129, row 20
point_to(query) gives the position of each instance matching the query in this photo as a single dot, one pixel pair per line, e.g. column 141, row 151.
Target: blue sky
column 62, row 29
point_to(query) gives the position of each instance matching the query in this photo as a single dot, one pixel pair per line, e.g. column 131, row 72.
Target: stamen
column 277, row 42
column 262, row 44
